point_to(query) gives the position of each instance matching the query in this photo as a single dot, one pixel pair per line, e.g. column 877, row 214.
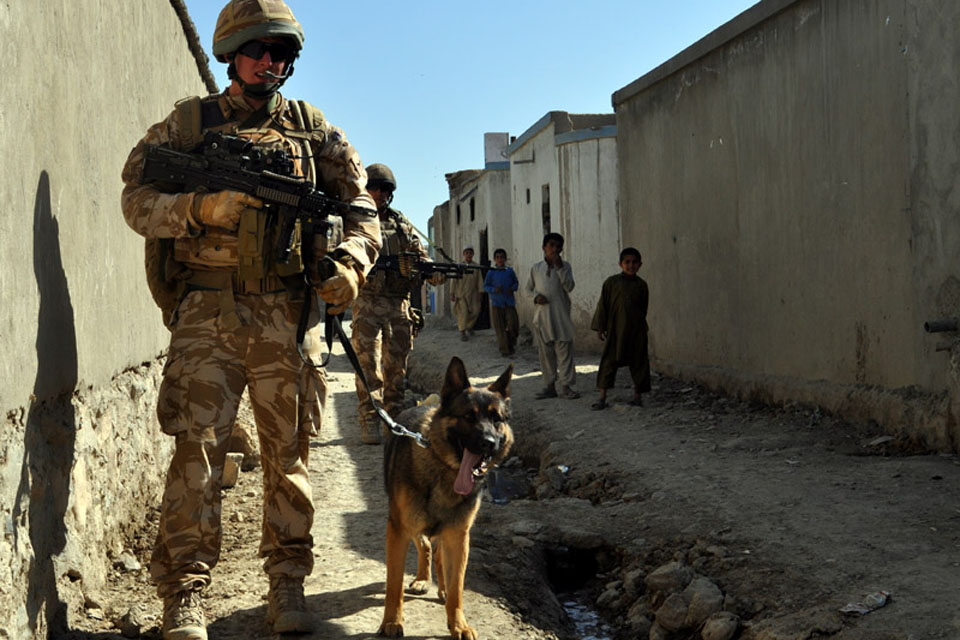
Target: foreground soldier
column 384, row 321
column 236, row 323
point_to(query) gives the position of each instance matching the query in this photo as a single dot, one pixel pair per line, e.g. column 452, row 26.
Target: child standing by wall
column 621, row 323
column 503, row 312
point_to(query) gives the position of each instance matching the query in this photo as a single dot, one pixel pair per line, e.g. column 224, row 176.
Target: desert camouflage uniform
column 383, row 326
column 241, row 336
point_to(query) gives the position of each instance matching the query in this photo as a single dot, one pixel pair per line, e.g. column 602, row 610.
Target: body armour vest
column 397, row 236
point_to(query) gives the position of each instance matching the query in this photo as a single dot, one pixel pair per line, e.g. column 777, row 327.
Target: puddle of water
column 586, row 622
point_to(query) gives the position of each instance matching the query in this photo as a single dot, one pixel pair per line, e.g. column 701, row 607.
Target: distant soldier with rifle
column 239, row 272
column 384, row 321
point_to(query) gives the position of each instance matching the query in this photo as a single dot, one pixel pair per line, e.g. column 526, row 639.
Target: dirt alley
column 791, row 513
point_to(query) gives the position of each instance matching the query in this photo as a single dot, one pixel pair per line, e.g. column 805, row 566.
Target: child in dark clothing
column 621, row 323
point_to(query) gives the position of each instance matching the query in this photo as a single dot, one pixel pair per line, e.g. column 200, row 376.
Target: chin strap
column 260, row 90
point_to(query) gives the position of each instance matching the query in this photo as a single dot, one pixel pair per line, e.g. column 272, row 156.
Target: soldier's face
column 379, row 196
column 468, row 255
column 271, row 58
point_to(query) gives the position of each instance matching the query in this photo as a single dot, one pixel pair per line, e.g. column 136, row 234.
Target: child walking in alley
column 620, row 321
column 501, row 284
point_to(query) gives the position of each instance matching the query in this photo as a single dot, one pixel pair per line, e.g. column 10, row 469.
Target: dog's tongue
column 464, row 483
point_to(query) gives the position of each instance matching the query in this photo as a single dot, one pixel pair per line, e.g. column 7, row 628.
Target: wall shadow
column 50, row 427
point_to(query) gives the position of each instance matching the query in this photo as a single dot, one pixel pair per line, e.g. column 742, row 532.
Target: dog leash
column 333, row 326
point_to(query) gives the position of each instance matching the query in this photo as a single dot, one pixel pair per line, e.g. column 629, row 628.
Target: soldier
column 467, row 294
column 384, row 322
column 236, row 321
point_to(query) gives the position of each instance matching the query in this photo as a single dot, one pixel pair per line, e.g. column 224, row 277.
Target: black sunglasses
column 386, row 187
column 279, row 52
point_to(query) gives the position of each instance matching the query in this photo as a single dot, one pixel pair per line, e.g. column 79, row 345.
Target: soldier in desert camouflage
column 236, row 323
column 384, row 322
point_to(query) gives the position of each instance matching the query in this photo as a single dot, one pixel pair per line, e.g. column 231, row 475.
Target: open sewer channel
column 568, row 571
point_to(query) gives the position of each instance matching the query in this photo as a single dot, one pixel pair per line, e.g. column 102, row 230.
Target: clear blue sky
column 416, row 84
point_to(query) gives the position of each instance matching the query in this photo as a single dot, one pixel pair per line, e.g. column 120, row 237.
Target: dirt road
column 791, row 514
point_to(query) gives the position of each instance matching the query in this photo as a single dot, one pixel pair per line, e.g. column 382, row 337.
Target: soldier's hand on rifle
column 437, row 279
column 340, row 289
column 223, row 208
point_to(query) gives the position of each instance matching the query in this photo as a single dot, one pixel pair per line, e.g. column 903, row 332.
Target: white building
column 563, row 179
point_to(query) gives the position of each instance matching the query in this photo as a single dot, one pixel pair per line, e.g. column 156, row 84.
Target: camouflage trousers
column 382, row 336
column 207, row 369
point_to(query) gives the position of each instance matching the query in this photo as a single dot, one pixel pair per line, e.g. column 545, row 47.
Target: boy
column 551, row 282
column 466, row 295
column 503, row 312
column 621, row 323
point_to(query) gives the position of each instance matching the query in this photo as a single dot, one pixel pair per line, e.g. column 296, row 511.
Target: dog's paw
column 442, row 595
column 463, row 632
column 391, row 630
column 419, row 587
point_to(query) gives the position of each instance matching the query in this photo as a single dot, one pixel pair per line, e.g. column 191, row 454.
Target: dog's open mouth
column 472, row 466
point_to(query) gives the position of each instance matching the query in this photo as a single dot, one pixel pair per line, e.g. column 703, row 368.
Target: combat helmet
column 244, row 20
column 380, row 175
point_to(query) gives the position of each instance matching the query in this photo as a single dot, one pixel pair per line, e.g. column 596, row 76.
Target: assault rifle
column 231, row 163
column 411, row 265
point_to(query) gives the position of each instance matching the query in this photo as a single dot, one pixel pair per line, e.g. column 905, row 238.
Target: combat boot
column 286, row 606
column 370, row 433
column 183, row 616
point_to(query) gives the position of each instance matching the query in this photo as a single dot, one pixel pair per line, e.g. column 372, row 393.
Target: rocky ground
column 767, row 520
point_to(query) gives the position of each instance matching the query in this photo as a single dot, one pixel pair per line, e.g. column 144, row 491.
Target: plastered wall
column 579, row 177
column 81, row 454
column 793, row 178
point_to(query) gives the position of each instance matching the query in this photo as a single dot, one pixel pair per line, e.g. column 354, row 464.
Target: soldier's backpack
column 167, row 278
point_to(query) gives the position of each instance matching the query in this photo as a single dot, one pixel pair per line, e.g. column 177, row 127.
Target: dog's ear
column 456, row 380
column 502, row 385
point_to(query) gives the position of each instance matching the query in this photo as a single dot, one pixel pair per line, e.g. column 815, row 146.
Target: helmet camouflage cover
column 378, row 173
column 245, row 20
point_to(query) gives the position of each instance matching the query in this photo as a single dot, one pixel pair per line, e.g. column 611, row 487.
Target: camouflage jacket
column 397, row 235
column 156, row 214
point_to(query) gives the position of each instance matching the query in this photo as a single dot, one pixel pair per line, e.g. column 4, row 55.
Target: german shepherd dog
column 433, row 492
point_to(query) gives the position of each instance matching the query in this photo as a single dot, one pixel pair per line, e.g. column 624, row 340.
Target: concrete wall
column 81, row 454
column 440, row 227
column 493, row 198
column 576, row 171
column 792, row 181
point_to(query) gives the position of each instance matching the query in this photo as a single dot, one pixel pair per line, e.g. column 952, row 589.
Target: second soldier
column 384, row 320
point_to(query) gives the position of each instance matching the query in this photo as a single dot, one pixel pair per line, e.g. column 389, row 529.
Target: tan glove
column 437, row 279
column 223, row 208
column 340, row 289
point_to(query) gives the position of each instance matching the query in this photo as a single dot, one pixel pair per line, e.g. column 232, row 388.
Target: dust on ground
column 791, row 513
